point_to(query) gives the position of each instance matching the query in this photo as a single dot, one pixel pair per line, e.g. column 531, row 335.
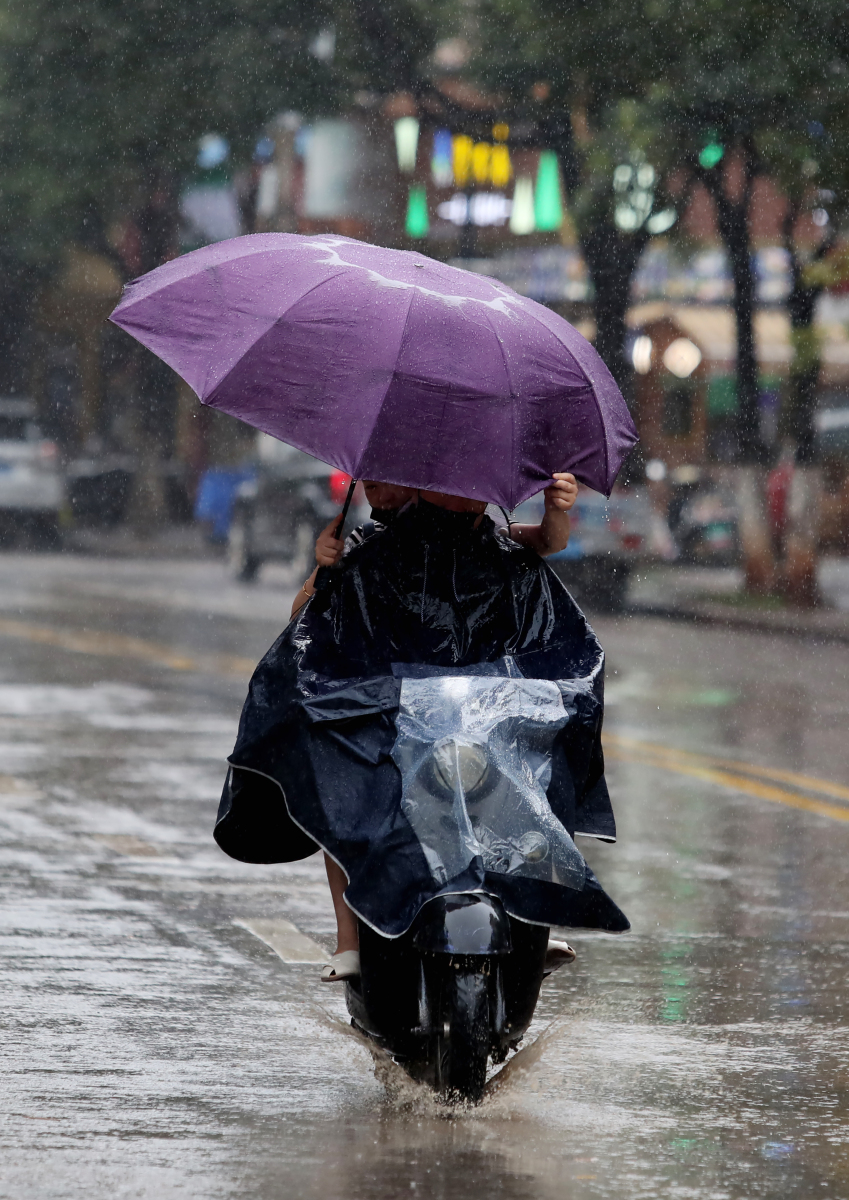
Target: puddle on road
column 151, row 1049
column 592, row 1108
column 14, row 790
column 45, row 700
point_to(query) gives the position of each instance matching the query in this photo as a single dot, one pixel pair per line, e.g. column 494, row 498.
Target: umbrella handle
column 346, row 506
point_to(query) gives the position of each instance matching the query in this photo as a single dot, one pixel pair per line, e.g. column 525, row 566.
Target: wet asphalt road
column 153, row 1046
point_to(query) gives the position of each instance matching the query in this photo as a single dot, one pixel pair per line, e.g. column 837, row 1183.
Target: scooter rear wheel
column 463, row 1037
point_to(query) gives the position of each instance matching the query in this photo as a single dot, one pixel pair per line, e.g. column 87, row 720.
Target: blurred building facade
column 452, row 177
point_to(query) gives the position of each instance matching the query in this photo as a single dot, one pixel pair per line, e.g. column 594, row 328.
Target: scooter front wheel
column 463, row 1033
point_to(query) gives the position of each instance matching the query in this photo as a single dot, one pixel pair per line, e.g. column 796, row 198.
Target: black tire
column 464, row 1036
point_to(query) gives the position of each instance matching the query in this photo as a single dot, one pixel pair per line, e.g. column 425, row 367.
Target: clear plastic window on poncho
column 475, row 760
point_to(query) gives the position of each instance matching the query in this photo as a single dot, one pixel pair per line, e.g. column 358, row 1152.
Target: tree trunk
column 612, row 259
column 733, row 221
column 611, row 256
column 755, row 533
column 749, row 484
column 752, row 450
column 156, row 383
column 154, row 428
column 801, row 543
column 797, row 419
column 749, row 477
column 16, row 313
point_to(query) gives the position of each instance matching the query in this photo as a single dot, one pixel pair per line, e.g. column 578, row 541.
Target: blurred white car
column 609, row 539
column 279, row 511
column 31, row 487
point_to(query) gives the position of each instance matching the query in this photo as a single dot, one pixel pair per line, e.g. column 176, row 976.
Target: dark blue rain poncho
column 313, row 765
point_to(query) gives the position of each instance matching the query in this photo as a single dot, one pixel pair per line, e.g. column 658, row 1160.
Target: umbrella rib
column 512, row 407
column 266, row 331
column 592, row 387
column 367, row 441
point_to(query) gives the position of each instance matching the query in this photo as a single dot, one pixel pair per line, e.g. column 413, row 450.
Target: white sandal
column 558, row 955
column 345, row 965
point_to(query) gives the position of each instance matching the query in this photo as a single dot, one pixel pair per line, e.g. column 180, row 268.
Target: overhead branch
column 396, row 54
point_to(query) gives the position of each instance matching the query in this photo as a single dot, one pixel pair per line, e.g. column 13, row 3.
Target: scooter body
column 460, row 986
column 457, row 989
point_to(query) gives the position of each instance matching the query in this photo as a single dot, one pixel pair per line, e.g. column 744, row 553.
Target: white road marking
column 286, row 940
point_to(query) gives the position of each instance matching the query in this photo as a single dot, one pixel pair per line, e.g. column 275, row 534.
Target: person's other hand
column 328, row 548
column 562, row 494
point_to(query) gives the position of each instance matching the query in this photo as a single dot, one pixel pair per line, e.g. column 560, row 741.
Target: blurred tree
column 726, row 91
column 583, row 73
column 812, row 165
column 106, row 100
column 814, row 178
column 389, row 40
column 101, row 108
column 619, row 200
column 749, row 97
column 747, row 88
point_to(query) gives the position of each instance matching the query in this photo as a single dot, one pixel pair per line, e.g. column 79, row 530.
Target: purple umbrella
column 386, row 364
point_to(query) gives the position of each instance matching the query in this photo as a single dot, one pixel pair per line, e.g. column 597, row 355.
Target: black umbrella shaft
column 345, row 507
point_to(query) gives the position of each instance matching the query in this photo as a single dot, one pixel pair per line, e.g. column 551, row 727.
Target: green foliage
column 99, row 96
column 384, row 44
column 689, row 76
column 773, row 72
column 692, row 90
column 829, row 271
column 588, row 52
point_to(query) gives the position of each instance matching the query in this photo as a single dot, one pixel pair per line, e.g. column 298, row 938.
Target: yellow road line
column 741, row 776
column 741, row 783
column 825, row 786
column 118, row 645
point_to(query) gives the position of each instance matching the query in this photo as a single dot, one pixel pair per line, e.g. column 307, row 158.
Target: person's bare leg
column 346, row 922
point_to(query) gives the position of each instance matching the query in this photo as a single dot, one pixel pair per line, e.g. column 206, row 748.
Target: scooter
column 460, row 987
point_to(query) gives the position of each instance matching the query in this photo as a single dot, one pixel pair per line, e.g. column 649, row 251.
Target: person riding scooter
column 431, row 717
column 441, row 588
column 386, row 499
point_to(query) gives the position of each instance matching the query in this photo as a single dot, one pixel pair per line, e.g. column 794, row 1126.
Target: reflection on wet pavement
column 156, row 1047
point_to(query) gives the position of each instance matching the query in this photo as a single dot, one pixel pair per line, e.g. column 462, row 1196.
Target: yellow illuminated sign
column 462, row 149
column 500, row 169
column 480, row 162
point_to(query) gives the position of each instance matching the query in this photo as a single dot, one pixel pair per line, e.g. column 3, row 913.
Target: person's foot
column 558, row 955
column 345, row 964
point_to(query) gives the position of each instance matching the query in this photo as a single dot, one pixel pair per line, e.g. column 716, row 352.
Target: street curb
column 94, row 543
column 825, row 626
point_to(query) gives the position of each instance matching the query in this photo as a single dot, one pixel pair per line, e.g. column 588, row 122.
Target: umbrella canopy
column 386, row 364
